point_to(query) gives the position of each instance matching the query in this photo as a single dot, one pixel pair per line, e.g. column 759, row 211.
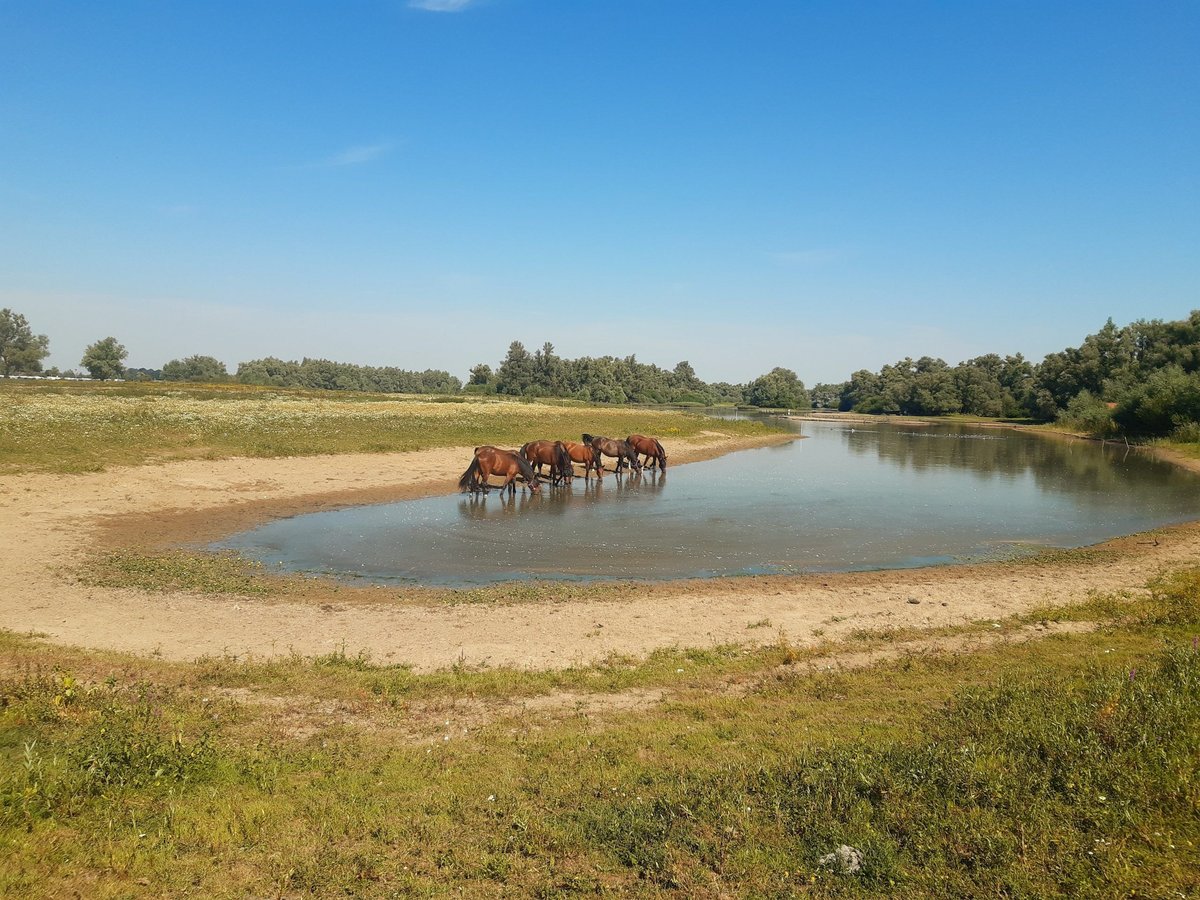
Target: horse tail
column 662, row 454
column 524, row 447
column 471, row 476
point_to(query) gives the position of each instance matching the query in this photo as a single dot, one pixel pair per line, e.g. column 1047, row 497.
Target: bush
column 1089, row 414
column 1164, row 401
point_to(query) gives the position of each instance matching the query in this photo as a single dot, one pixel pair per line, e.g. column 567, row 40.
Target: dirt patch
column 52, row 523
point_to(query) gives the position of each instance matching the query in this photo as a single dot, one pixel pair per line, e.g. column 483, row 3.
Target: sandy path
column 50, row 523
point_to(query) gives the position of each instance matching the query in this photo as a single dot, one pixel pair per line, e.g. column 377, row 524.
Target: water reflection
column 843, row 499
column 1089, row 471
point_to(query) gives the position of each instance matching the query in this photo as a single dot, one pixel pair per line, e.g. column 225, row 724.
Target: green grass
column 1060, row 767
column 1189, row 449
column 89, row 426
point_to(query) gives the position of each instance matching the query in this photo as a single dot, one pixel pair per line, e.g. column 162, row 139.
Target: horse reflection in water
column 505, row 464
column 559, row 503
column 476, row 507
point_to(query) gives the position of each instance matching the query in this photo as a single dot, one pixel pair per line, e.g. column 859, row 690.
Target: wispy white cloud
column 441, row 5
column 357, row 155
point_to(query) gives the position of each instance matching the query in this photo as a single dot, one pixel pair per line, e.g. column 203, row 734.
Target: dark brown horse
column 505, row 464
column 587, row 456
column 552, row 454
column 607, row 446
column 652, row 449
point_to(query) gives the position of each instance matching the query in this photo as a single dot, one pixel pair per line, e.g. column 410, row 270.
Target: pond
column 844, row 498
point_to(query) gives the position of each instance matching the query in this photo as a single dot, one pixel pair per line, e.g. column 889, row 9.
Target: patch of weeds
column 177, row 570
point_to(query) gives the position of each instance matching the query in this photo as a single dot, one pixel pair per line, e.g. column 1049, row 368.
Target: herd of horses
column 560, row 457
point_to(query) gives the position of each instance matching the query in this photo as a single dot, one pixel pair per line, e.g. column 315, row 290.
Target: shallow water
column 843, row 499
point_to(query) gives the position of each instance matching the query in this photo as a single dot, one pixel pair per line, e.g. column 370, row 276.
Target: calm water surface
column 868, row 497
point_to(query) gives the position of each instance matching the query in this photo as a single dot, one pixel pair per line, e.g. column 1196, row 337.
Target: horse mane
column 470, row 476
column 525, row 468
column 562, row 459
column 587, row 438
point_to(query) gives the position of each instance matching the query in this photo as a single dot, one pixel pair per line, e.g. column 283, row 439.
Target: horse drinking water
column 552, row 454
column 652, row 449
column 504, row 464
column 587, row 456
column 612, row 447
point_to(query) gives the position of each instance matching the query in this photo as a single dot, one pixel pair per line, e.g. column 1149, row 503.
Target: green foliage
column 21, row 351
column 1087, row 413
column 778, row 389
column 81, row 744
column 1161, row 402
column 605, row 379
column 105, row 359
column 1150, row 369
column 195, row 368
column 325, row 375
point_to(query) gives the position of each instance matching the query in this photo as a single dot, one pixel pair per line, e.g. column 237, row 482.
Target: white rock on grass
column 845, row 859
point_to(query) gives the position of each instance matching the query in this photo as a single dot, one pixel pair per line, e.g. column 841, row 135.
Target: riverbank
column 1168, row 454
column 57, row 523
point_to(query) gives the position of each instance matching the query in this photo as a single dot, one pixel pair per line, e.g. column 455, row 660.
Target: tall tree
column 21, row 351
column 105, row 359
column 515, row 375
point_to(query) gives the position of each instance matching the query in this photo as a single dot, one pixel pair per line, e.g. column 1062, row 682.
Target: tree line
column 606, row 379
column 611, row 379
column 1140, row 379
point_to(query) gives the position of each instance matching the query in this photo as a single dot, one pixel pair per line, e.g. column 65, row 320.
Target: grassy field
column 1061, row 767
column 1065, row 766
column 86, row 426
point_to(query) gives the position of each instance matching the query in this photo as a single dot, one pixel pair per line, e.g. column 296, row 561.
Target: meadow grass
column 1059, row 767
column 88, row 426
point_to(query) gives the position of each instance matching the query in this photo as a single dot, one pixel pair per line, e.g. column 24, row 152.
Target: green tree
column 270, row 371
column 779, row 388
column 481, row 374
column 105, row 359
column 515, row 375
column 195, row 368
column 21, row 351
column 1162, row 402
column 827, row 396
column 548, row 371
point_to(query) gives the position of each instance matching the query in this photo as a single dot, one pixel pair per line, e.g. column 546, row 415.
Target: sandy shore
column 51, row 524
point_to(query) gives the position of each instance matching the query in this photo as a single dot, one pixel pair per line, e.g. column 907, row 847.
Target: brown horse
column 612, row 447
column 552, row 454
column 505, row 464
column 586, row 455
column 651, row 448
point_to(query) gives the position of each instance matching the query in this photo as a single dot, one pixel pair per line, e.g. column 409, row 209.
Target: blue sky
column 824, row 186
